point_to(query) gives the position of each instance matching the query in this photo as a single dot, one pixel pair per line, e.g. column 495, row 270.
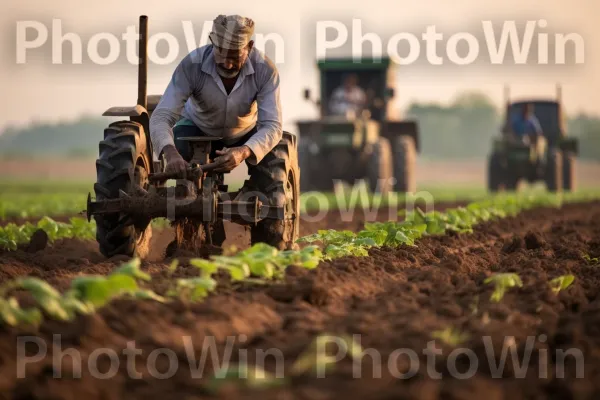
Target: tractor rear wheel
column 277, row 179
column 379, row 168
column 569, row 160
column 405, row 158
column 122, row 165
column 496, row 173
column 312, row 179
column 554, row 171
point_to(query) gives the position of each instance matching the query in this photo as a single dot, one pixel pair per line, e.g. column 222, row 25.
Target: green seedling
column 315, row 358
column 503, row 282
column 243, row 376
column 561, row 283
column 193, row 289
column 590, row 260
column 450, row 336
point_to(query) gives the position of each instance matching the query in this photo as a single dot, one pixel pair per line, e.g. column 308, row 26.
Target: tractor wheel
column 499, row 178
column 569, row 171
column 405, row 158
column 277, row 180
column 495, row 173
column 554, row 171
column 379, row 168
column 123, row 164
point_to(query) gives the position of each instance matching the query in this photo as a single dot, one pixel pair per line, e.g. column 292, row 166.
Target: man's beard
column 227, row 73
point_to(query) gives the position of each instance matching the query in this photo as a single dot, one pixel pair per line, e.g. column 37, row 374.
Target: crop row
column 260, row 262
column 12, row 235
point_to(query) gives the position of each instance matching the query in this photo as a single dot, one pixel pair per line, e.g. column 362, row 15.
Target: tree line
column 462, row 129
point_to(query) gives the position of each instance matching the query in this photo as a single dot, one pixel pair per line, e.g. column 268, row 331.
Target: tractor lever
column 192, row 173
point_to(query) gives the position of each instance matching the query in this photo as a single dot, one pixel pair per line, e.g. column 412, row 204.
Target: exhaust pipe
column 143, row 63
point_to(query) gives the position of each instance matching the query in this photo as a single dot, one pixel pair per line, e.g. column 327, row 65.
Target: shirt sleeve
column 269, row 124
column 337, row 102
column 536, row 125
column 168, row 110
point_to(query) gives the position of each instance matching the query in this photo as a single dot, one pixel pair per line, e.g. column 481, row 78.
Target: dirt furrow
column 394, row 300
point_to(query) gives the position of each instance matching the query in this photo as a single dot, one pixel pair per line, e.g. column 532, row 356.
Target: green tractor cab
column 550, row 159
column 373, row 145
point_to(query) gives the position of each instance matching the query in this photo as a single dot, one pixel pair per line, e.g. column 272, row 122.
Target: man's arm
column 269, row 125
column 536, row 125
column 337, row 101
column 168, row 110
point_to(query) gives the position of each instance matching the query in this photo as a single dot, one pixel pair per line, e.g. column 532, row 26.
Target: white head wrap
column 232, row 32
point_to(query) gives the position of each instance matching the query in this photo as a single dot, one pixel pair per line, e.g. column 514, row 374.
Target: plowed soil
column 394, row 301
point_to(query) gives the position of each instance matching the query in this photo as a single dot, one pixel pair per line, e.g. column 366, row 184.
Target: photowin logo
column 489, row 44
column 211, row 358
column 529, row 42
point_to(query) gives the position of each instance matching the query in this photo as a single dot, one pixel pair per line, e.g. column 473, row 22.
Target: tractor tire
column 496, row 173
column 277, row 179
column 379, row 168
column 310, row 181
column 123, row 163
column 499, row 177
column 405, row 159
column 569, row 171
column 554, row 171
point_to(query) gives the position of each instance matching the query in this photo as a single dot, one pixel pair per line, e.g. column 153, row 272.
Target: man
column 229, row 89
column 526, row 125
column 348, row 97
column 225, row 89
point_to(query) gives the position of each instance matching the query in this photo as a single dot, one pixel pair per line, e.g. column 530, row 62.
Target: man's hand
column 175, row 163
column 230, row 158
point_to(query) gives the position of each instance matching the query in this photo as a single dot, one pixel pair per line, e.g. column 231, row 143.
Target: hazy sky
column 41, row 90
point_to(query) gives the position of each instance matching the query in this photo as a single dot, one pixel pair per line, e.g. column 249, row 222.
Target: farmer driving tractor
column 525, row 126
column 225, row 89
column 348, row 98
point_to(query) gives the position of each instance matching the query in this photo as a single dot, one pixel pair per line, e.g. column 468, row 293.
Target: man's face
column 528, row 110
column 350, row 82
column 230, row 62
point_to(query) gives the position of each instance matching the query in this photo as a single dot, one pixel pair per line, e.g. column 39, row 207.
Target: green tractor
column 372, row 145
column 550, row 159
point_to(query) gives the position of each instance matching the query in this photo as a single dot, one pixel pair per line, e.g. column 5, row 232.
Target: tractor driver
column 526, row 125
column 225, row 89
column 348, row 97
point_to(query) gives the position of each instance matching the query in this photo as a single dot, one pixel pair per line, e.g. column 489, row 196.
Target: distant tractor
column 372, row 146
column 550, row 159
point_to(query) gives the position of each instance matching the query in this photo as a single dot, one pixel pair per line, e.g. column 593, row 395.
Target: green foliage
column 450, row 336
column 343, row 243
column 561, row 283
column 88, row 293
column 243, row 376
column 316, row 358
column 13, row 235
column 418, row 223
column 502, row 283
column 590, row 260
column 193, row 289
column 260, row 260
column 85, row 295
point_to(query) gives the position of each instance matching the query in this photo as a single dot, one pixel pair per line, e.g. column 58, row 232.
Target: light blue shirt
column 526, row 126
column 197, row 93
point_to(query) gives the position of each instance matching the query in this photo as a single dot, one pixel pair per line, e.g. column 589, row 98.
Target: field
column 421, row 305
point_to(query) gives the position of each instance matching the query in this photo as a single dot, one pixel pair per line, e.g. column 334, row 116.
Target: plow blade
column 152, row 205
